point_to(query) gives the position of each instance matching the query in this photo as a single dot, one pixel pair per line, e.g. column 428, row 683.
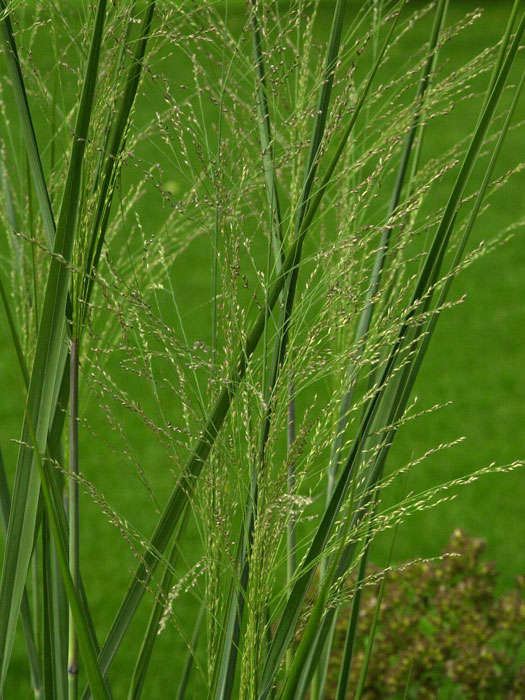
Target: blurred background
column 476, row 361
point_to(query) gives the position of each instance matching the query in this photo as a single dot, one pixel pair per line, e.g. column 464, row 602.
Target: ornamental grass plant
column 224, row 257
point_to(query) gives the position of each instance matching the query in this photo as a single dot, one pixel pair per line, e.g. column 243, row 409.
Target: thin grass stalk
column 28, row 625
column 46, row 371
column 111, row 169
column 146, row 650
column 409, row 676
column 332, row 53
column 10, row 210
column 224, row 670
column 59, row 623
column 13, row 331
column 409, row 374
column 13, row 335
column 427, row 279
column 503, row 46
column 106, row 129
column 49, row 658
column 223, row 683
column 266, row 138
column 74, row 523
column 322, row 660
column 218, row 170
column 188, row 665
column 36, row 599
column 291, row 558
column 24, row 114
column 184, row 488
column 33, row 295
column 351, row 634
column 54, row 113
column 218, row 187
column 371, row 635
column 365, row 319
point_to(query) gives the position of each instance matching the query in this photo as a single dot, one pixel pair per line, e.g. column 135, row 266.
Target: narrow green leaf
column 380, row 258
column 49, row 657
column 85, row 640
column 184, row 488
column 74, row 521
column 427, row 278
column 59, row 627
column 111, row 168
column 373, row 627
column 404, row 387
column 148, row 642
column 290, row 615
column 183, row 685
column 46, row 372
column 13, row 333
column 323, row 104
column 25, row 610
column 24, row 114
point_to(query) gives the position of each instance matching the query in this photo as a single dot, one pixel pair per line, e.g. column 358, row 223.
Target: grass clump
column 225, row 260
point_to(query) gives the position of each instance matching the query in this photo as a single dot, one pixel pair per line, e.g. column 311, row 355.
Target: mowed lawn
column 476, row 361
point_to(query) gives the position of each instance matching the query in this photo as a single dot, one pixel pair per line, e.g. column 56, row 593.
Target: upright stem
column 73, row 513
column 291, row 556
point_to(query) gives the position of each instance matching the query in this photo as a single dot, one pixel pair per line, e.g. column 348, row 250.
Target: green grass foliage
column 226, row 248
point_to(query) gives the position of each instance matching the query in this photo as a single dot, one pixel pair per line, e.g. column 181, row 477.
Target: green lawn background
column 476, row 360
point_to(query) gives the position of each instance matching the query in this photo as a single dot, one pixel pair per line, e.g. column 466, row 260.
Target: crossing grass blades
column 271, row 382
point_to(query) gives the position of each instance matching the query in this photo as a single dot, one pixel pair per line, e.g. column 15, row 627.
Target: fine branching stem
column 74, row 522
column 228, row 233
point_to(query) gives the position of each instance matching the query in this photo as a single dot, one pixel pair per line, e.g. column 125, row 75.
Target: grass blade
column 24, row 114
column 85, row 640
column 183, row 685
column 379, row 262
column 46, row 372
column 403, row 390
column 146, row 649
column 266, row 138
column 25, row 610
column 290, row 616
column 111, row 168
column 184, row 488
column 74, row 523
